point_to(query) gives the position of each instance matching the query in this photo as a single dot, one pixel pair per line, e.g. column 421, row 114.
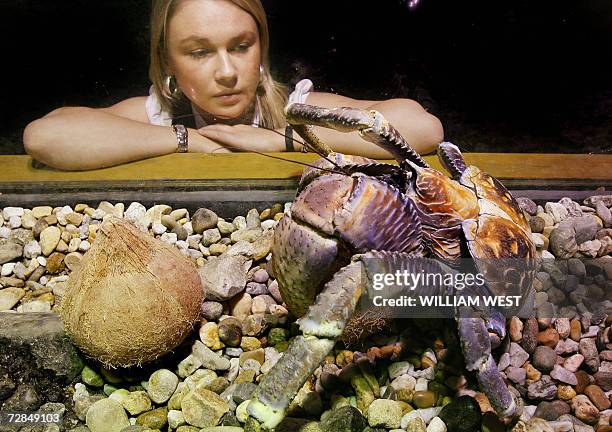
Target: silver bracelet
column 181, row 138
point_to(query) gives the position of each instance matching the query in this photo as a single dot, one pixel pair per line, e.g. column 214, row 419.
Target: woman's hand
column 244, row 138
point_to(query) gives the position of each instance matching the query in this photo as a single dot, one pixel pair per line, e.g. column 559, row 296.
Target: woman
column 210, row 73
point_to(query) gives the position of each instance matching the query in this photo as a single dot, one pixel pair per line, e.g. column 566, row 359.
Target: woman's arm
column 79, row 138
column 422, row 130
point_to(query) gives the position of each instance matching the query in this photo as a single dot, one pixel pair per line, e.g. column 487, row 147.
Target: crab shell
column 482, row 211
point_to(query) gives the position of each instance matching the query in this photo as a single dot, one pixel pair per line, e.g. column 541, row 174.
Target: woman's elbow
column 32, row 139
column 434, row 133
column 40, row 144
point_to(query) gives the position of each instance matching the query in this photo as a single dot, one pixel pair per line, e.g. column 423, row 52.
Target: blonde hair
column 271, row 95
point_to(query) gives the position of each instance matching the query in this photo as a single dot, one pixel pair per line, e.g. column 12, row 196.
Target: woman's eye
column 242, row 47
column 199, row 53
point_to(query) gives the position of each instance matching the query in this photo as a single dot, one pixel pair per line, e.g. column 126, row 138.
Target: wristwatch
column 181, row 138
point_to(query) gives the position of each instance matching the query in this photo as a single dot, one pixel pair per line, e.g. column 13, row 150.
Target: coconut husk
column 133, row 299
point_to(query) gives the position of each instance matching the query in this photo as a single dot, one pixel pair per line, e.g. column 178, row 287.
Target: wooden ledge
column 250, row 166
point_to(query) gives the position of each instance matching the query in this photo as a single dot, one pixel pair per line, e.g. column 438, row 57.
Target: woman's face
column 214, row 52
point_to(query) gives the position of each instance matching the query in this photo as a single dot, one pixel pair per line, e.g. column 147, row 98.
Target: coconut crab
column 349, row 209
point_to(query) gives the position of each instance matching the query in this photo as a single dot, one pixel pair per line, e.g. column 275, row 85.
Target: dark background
column 513, row 76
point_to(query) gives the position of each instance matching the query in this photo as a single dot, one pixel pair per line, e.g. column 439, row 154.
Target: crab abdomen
column 504, row 253
column 443, row 204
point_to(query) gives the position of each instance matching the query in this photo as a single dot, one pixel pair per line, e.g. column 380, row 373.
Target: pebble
column 544, row 389
column 136, row 402
column 588, row 349
column 584, row 410
column 518, row 356
column 162, row 385
column 424, row 399
column 212, row 310
column 224, row 277
column 561, row 374
column 597, row 396
column 203, row 408
column 49, row 238
column 384, row 412
column 436, row 425
column 573, row 362
column 209, row 358
column 106, row 415
column 544, row 358
column 9, row 297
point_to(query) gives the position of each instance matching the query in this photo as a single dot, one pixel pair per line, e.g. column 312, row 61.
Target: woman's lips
column 229, row 99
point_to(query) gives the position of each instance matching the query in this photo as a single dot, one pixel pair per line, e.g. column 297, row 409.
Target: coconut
column 133, row 298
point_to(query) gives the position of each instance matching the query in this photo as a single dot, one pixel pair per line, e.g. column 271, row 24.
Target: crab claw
column 371, row 125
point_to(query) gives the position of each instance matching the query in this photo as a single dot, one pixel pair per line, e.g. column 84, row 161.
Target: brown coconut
column 133, row 298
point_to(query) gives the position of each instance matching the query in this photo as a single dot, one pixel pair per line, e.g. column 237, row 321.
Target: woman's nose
column 226, row 70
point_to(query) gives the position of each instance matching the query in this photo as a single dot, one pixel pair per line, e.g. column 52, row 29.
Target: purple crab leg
column 371, row 125
column 476, row 347
column 451, row 159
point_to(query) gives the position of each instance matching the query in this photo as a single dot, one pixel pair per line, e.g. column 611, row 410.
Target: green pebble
column 277, row 335
column 439, row 388
column 157, row 418
column 252, row 425
column 145, row 385
column 446, row 400
column 363, row 392
column 109, row 389
column 282, row 346
column 91, row 377
column 187, row 429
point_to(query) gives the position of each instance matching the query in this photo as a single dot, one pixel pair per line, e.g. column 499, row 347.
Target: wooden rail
column 230, row 184
column 535, row 166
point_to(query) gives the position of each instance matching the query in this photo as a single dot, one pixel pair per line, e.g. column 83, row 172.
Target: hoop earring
column 171, row 87
column 261, row 90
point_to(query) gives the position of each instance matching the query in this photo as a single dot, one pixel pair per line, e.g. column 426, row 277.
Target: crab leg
column 476, row 347
column 324, row 322
column 371, row 125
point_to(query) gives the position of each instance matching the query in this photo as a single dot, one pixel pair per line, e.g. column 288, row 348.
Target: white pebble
column 268, row 224
column 181, row 244
column 421, row 384
column 41, row 260
column 61, row 214
column 32, row 249
column 7, row 269
column 240, row 222
column 35, row 306
column 158, row 228
column 188, row 227
column 175, row 419
column 80, row 390
column 84, row 246
column 169, row 238
column 5, row 232
column 15, row 222
column 9, row 212
column 436, row 425
column 74, row 244
column 43, row 280
column 241, row 411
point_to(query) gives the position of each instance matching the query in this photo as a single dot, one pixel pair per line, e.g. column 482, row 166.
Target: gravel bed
column 559, row 362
